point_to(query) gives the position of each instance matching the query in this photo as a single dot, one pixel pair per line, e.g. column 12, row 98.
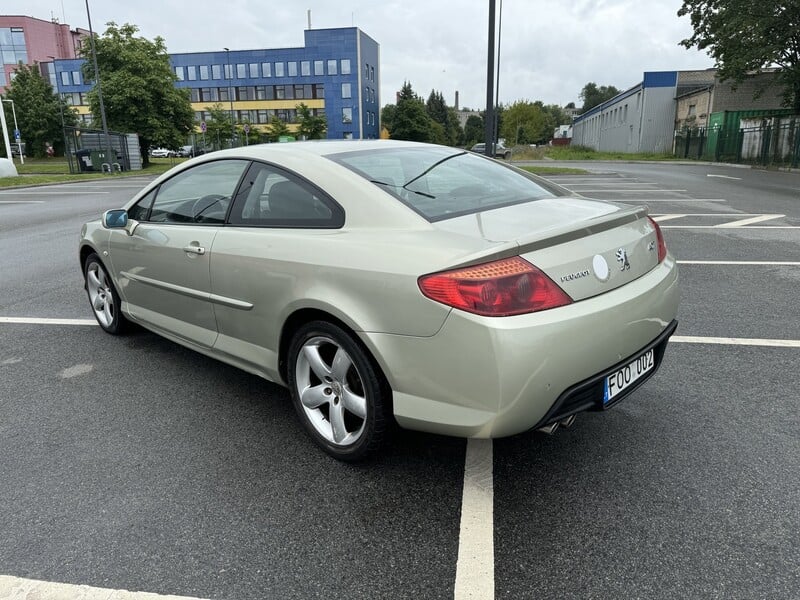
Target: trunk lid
column 587, row 247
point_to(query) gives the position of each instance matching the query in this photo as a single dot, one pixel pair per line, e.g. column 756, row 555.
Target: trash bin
column 85, row 163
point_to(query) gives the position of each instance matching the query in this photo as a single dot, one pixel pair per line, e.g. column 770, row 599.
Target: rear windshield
column 441, row 183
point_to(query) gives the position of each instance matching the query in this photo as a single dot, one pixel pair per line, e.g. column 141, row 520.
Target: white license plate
column 622, row 379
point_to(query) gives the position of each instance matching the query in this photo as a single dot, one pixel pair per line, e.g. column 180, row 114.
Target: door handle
column 194, row 249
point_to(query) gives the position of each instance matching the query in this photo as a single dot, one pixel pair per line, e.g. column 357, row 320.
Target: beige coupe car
column 392, row 282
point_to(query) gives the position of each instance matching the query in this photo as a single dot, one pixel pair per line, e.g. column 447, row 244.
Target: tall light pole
column 489, row 122
column 230, row 91
column 111, row 156
column 17, row 135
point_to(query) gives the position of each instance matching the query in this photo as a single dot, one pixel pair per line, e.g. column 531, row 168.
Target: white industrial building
column 640, row 119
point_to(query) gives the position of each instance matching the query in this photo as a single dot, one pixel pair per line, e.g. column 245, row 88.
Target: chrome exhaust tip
column 549, row 429
column 567, row 423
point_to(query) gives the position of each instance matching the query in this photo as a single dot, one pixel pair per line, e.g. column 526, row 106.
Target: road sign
column 247, row 128
column 16, row 134
column 203, row 126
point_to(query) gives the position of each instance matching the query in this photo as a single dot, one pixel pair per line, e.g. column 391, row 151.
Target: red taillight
column 512, row 286
column 662, row 245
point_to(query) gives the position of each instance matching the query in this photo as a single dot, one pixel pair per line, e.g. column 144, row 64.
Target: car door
column 258, row 260
column 163, row 267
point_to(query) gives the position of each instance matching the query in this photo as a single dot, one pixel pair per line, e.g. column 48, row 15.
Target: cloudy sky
column 549, row 49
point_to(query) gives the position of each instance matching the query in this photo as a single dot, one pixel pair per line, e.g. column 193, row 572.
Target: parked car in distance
column 161, row 153
column 500, row 151
column 383, row 280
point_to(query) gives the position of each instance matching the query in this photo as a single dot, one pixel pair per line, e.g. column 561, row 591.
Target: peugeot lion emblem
column 622, row 259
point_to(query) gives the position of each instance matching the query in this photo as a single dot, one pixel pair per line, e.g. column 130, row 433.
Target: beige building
column 695, row 106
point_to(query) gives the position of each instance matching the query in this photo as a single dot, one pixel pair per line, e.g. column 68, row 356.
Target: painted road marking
column 690, row 339
column 723, row 227
column 21, row 201
column 662, row 218
column 17, row 588
column 724, row 177
column 38, row 321
column 475, row 565
column 755, row 263
column 636, row 191
column 751, row 220
column 675, row 200
column 48, row 192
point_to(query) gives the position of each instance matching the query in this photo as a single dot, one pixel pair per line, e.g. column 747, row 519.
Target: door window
column 199, row 195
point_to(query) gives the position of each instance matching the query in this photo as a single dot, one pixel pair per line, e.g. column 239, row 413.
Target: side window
column 271, row 197
column 139, row 211
column 199, row 195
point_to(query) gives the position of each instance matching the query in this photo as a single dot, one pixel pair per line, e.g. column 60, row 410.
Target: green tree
column 746, row 36
column 526, row 122
column 387, row 116
column 593, row 95
column 312, row 127
column 219, row 128
column 139, row 90
column 39, row 111
column 277, row 129
column 451, row 133
column 411, row 120
column 473, row 130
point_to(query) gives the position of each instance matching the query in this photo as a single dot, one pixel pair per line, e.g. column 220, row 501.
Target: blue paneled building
column 336, row 73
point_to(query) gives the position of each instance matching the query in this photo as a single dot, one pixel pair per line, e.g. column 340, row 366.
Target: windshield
column 442, row 183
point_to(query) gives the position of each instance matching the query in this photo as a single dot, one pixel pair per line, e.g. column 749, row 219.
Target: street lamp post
column 111, row 156
column 17, row 135
column 230, row 91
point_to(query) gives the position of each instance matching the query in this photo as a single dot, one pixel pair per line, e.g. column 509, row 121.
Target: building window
column 12, row 45
column 292, row 68
column 194, row 95
column 347, row 115
column 305, row 68
column 179, row 73
column 332, row 67
column 372, row 73
column 319, row 67
column 346, row 93
column 191, row 73
column 253, row 70
column 76, row 77
column 347, row 135
column 263, row 116
column 216, row 71
column 245, row 93
column 279, row 69
column 65, row 78
column 319, row 90
column 224, row 94
column 241, row 71
column 204, row 72
column 692, row 110
column 228, row 71
column 266, row 69
column 345, row 66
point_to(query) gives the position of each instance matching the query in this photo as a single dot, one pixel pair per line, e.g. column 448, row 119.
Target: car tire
column 338, row 391
column 507, row 155
column 103, row 296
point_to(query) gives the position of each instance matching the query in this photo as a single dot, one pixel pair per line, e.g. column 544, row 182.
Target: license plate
column 619, row 381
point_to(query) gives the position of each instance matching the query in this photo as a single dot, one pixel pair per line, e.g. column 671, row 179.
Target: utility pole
column 111, row 156
column 230, row 93
column 489, row 119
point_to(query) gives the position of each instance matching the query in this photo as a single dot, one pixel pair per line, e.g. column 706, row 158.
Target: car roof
column 320, row 148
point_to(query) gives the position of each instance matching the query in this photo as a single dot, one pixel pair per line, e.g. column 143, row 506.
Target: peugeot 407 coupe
column 389, row 282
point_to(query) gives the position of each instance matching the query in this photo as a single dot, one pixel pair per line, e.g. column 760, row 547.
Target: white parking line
column 475, row 566
column 637, row 190
column 46, row 192
column 723, row 227
column 753, row 263
column 751, row 220
column 17, row 588
column 45, row 321
column 724, row 177
column 21, row 201
column 690, row 339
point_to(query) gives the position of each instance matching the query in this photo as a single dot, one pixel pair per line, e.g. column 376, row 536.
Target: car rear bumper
column 494, row 377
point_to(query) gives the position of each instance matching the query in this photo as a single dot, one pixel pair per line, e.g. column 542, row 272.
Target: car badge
column 651, row 246
column 622, row 259
column 600, row 268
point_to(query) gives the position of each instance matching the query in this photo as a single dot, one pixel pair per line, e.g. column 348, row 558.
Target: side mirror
column 115, row 219
column 118, row 219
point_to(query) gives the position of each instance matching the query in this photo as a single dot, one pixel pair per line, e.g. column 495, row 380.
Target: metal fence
column 770, row 142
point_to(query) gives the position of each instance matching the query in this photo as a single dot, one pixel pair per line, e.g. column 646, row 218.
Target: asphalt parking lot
column 132, row 463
